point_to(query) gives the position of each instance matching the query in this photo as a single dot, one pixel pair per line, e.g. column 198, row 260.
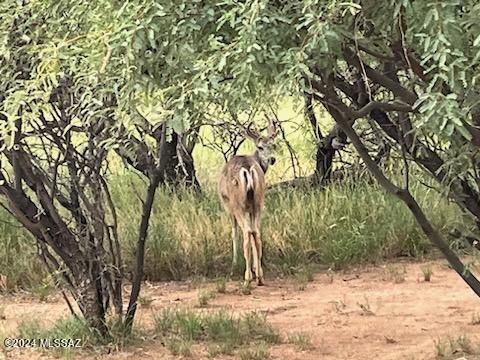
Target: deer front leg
column 234, row 243
column 247, row 248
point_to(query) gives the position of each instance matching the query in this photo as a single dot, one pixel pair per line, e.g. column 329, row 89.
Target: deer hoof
column 260, row 282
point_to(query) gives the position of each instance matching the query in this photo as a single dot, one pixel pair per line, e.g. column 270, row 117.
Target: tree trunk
column 179, row 168
column 91, row 305
column 179, row 164
column 140, row 251
column 325, row 149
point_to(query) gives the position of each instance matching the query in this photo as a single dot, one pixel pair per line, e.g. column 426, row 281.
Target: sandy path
column 362, row 314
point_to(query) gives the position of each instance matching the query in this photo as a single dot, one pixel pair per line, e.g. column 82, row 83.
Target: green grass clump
column 76, row 328
column 427, row 272
column 222, row 332
column 67, row 328
column 179, row 347
column 301, row 340
column 204, row 296
column 221, row 285
column 258, row 352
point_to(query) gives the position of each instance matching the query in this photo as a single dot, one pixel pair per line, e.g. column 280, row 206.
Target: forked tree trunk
column 179, row 164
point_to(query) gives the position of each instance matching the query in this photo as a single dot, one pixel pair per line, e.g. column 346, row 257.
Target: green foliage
column 176, row 54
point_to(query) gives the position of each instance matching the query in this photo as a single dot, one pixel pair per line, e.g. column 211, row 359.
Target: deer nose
column 272, row 160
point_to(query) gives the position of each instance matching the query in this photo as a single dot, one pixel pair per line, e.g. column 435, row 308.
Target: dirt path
column 385, row 312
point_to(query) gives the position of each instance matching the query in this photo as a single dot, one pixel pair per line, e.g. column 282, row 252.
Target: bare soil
column 382, row 312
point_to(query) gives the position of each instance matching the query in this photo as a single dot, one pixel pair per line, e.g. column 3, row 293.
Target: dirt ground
column 383, row 312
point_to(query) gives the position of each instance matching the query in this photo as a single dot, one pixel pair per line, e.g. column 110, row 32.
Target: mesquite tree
column 410, row 68
column 61, row 119
column 81, row 79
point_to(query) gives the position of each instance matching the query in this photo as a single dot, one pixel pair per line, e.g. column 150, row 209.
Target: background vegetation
column 349, row 222
column 115, row 120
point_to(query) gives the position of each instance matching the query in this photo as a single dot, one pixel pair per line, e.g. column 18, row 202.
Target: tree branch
column 403, row 194
column 376, row 105
column 406, row 95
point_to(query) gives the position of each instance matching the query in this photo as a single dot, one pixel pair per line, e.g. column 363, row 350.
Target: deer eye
column 260, row 148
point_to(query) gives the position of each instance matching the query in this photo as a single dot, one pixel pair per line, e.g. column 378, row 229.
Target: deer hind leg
column 247, row 253
column 253, row 234
column 257, row 245
column 234, row 243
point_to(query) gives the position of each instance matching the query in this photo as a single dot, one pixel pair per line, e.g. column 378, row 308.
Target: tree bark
column 325, row 155
column 179, row 168
column 46, row 230
column 325, row 151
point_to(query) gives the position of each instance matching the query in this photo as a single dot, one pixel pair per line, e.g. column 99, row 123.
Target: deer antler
column 250, row 132
column 272, row 129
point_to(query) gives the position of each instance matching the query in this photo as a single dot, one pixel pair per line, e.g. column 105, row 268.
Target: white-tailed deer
column 242, row 191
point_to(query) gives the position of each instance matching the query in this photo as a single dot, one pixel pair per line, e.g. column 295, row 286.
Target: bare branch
column 376, row 105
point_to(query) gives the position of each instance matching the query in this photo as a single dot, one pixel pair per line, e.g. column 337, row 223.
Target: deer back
column 233, row 189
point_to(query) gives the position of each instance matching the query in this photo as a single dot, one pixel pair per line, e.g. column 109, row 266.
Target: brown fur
column 233, row 191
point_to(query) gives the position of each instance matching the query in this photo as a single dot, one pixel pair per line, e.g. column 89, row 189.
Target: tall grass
column 189, row 234
column 338, row 225
column 19, row 266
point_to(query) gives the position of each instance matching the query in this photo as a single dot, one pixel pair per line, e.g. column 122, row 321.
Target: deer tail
column 247, row 181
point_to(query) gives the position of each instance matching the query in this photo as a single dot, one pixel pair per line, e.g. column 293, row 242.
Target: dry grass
column 301, row 340
column 204, row 296
column 459, row 347
column 427, row 272
column 394, row 273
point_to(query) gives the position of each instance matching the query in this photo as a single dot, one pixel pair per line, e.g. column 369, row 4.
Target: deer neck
column 263, row 164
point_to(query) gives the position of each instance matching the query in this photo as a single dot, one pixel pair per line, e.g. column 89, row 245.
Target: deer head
column 265, row 148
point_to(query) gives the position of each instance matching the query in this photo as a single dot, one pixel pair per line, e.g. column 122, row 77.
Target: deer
column 242, row 192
